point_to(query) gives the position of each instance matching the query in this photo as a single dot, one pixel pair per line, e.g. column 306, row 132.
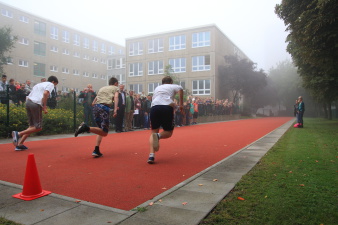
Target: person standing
column 120, row 110
column 88, row 96
column 195, row 115
column 36, row 103
column 129, row 112
column 106, row 96
column 300, row 112
column 3, row 89
column 146, row 106
column 162, row 113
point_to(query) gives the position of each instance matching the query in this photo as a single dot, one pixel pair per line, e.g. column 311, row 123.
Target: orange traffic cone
column 31, row 187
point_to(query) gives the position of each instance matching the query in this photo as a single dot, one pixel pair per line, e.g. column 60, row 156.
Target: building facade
column 194, row 55
column 46, row 48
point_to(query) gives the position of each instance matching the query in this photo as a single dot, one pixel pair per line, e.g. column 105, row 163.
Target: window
column 94, row 75
column 177, row 42
column 65, row 36
column 103, row 48
column 201, row 63
column 103, row 61
column 39, row 69
column 39, row 28
column 111, row 50
column 23, row 41
column 178, row 65
column 24, row 19
column 76, row 55
column 54, row 33
column 155, row 45
column 86, row 43
column 54, row 48
column 182, row 83
column 76, row 40
column 137, row 88
column 135, row 69
column 201, row 87
column 201, row 39
column 76, row 72
column 39, row 48
column 155, row 67
column 120, row 63
column 120, row 77
column 86, row 57
column 103, row 77
column 9, row 60
column 95, row 59
column 85, row 74
column 65, row 70
column 6, row 13
column 135, row 48
column 95, row 46
column 152, row 86
column 23, row 63
column 65, row 51
column 110, row 64
column 53, row 68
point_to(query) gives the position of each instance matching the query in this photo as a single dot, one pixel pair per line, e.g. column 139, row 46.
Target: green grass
column 294, row 183
column 4, row 221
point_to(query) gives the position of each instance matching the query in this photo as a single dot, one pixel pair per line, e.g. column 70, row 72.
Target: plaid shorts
column 101, row 115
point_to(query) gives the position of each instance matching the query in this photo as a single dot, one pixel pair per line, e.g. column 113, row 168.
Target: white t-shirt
column 36, row 94
column 165, row 93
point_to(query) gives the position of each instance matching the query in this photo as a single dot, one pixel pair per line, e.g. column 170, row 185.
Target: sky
column 251, row 25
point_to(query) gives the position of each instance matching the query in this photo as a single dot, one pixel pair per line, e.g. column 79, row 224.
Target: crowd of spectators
column 17, row 91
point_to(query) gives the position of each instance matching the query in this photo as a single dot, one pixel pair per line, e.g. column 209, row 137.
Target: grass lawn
column 296, row 182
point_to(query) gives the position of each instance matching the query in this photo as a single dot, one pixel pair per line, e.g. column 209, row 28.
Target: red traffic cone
column 31, row 187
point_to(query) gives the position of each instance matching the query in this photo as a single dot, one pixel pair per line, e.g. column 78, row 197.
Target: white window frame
column 137, row 88
column 201, row 39
column 65, row 36
column 103, row 61
column 23, row 63
column 136, row 48
column 86, row 57
column 24, row 41
column 76, row 72
column 6, row 13
column 135, row 69
column 199, row 87
column 94, row 75
column 178, row 65
column 54, row 33
column 85, row 43
column 65, row 70
column 103, row 77
column 54, row 48
column 177, row 42
column 95, row 46
column 120, row 77
column 152, row 86
column 109, row 64
column 111, row 50
column 155, row 45
column 53, row 68
column 103, row 48
column 155, row 67
column 85, row 74
column 77, row 40
column 65, row 51
column 76, row 54
column 95, row 59
column 24, row 19
column 200, row 63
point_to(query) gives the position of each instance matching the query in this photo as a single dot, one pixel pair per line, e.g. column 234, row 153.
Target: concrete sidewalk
column 187, row 203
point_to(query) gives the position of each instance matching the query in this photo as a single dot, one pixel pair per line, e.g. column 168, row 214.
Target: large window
column 135, row 69
column 39, row 69
column 120, row 77
column 39, row 48
column 24, row 19
column 76, row 40
column 201, row 63
column 39, row 28
column 152, row 86
column 201, row 87
column 86, row 43
column 23, row 63
column 178, row 65
column 65, row 36
column 103, row 48
column 137, row 88
column 155, row 45
column 201, row 39
column 54, row 33
column 116, row 63
column 6, row 13
column 23, row 41
column 136, row 48
column 111, row 50
column 155, row 67
column 95, row 46
column 177, row 42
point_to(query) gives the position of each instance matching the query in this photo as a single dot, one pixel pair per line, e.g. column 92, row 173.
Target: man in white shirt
column 162, row 113
column 36, row 102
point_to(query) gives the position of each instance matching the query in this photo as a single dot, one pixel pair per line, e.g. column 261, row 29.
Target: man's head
column 113, row 81
column 131, row 92
column 90, row 87
column 53, row 79
column 28, row 82
column 121, row 86
column 4, row 78
column 167, row 80
column 22, row 86
column 43, row 79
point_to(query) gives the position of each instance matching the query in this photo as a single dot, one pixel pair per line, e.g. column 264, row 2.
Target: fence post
column 7, row 104
column 74, row 97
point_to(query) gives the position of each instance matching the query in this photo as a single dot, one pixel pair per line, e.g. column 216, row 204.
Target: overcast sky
column 251, row 25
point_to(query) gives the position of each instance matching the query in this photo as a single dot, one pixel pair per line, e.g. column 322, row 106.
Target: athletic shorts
column 162, row 116
column 34, row 113
column 101, row 115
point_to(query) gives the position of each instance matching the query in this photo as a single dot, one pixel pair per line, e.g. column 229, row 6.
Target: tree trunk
column 325, row 110
column 330, row 110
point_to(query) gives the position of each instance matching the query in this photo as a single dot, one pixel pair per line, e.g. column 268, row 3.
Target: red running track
column 121, row 178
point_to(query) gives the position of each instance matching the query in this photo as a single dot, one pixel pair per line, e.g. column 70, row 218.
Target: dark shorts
column 101, row 115
column 195, row 116
column 34, row 113
column 162, row 116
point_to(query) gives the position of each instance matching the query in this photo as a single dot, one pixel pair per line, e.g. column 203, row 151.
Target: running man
column 162, row 113
column 101, row 107
column 36, row 102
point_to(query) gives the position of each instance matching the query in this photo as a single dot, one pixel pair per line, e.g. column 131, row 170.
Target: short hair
column 112, row 81
column 53, row 78
column 4, row 76
column 167, row 80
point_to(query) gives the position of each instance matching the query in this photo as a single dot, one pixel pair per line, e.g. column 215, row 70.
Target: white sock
column 152, row 155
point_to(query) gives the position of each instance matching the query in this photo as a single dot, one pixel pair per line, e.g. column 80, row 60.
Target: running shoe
column 97, row 153
column 151, row 160
column 81, row 129
column 20, row 148
column 16, row 138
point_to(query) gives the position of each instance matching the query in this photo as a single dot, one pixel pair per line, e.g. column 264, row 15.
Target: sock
column 152, row 155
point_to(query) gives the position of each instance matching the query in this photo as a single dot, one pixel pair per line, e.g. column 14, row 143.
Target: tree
column 240, row 77
column 313, row 44
column 7, row 42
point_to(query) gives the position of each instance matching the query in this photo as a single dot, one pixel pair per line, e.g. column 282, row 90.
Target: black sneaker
column 151, row 160
column 97, row 153
column 81, row 129
column 20, row 148
column 16, row 138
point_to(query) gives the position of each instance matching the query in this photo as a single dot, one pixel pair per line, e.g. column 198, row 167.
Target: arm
column 94, row 101
column 116, row 103
column 44, row 101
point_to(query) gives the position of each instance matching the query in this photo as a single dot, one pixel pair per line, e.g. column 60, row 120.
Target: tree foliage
column 313, row 44
column 6, row 44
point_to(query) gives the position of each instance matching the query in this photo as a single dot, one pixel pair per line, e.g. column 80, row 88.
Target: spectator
column 195, row 116
column 88, row 95
column 51, row 101
column 28, row 86
column 137, row 116
column 120, row 110
column 21, row 94
column 3, row 89
column 300, row 112
column 129, row 112
column 146, row 106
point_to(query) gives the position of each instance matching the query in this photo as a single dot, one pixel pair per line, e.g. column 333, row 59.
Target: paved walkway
column 199, row 195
